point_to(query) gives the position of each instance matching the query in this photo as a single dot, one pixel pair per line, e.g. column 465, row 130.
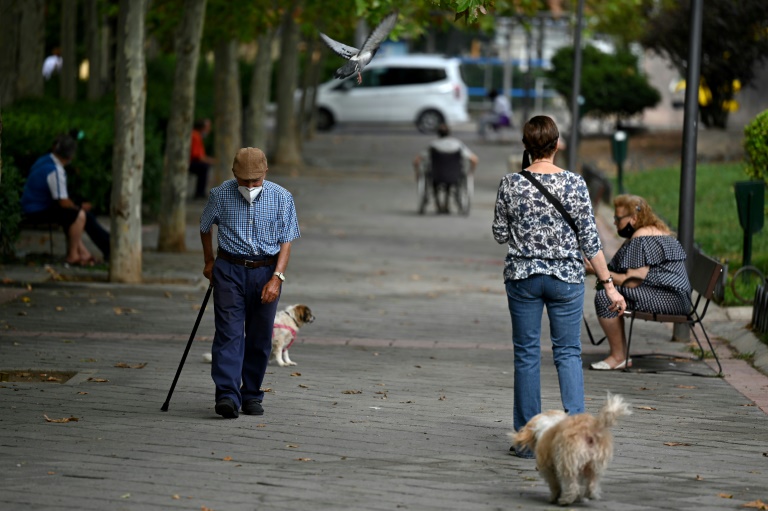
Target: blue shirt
column 47, row 182
column 540, row 240
column 251, row 229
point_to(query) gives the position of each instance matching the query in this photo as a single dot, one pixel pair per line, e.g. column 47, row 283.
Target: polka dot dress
column 666, row 289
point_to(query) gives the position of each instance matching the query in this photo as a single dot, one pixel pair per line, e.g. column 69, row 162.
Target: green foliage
column 10, row 208
column 734, row 41
column 31, row 126
column 756, row 146
column 610, row 85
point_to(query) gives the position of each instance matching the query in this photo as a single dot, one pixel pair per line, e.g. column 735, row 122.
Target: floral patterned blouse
column 540, row 240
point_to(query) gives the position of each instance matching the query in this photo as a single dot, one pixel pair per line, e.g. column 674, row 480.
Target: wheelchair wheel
column 422, row 194
column 464, row 193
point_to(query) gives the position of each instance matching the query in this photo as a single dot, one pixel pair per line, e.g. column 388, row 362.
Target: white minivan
column 424, row 89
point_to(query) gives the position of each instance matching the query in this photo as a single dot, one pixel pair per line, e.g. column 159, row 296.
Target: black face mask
column 627, row 231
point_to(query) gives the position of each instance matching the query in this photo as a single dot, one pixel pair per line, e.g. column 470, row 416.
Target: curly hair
column 638, row 206
column 540, row 137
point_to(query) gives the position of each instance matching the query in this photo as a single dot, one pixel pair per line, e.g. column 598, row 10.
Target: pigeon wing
column 380, row 33
column 340, row 49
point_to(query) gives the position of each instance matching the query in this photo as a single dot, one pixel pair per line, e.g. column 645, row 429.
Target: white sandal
column 605, row 366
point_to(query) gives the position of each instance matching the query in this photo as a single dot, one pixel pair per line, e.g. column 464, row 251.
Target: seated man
column 445, row 144
column 45, row 200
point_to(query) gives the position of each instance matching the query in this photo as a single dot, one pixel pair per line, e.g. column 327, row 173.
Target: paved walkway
column 402, row 398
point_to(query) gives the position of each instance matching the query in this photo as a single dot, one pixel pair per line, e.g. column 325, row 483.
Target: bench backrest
column 704, row 274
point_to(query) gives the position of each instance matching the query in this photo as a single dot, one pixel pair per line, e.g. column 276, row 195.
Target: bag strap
column 556, row 203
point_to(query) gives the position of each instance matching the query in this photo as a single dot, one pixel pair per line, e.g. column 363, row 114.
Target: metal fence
column 760, row 309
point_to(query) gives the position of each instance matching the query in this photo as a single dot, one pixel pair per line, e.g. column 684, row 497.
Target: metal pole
column 573, row 143
column 690, row 127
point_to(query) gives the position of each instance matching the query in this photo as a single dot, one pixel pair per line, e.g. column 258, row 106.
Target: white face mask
column 250, row 194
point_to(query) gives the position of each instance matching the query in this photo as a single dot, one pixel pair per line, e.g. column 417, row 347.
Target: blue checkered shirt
column 251, row 229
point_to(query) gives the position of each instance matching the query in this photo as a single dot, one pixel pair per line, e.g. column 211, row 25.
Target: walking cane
column 189, row 345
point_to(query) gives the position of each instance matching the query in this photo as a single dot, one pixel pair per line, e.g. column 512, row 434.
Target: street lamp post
column 573, row 142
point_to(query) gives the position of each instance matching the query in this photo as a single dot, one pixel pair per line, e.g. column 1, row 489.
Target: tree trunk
column 29, row 82
column 286, row 143
column 128, row 155
column 227, row 123
column 9, row 44
column 96, row 49
column 68, row 83
column 315, row 69
column 255, row 131
column 173, row 199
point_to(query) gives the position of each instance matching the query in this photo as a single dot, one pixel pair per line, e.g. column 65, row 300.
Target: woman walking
column 544, row 267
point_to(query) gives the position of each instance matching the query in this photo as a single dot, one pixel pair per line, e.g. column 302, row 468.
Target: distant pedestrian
column 499, row 116
column 256, row 223
column 199, row 162
column 544, row 268
column 52, row 63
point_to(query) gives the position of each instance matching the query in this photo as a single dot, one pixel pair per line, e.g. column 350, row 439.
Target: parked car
column 424, row 89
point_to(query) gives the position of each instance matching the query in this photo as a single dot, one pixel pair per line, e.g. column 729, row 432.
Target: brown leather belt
column 245, row 262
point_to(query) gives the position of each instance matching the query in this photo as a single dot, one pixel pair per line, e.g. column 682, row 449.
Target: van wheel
column 324, row 120
column 429, row 120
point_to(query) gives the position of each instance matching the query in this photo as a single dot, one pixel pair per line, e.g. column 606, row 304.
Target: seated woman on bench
column 648, row 270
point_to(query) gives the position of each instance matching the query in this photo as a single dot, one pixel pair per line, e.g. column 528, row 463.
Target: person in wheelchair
column 438, row 163
column 648, row 270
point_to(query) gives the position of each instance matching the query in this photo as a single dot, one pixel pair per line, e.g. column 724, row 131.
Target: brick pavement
column 411, row 313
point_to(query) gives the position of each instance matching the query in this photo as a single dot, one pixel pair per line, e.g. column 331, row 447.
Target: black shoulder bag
column 569, row 220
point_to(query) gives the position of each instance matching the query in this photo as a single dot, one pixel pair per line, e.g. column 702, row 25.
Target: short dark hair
column 199, row 124
column 443, row 130
column 540, row 137
column 64, row 146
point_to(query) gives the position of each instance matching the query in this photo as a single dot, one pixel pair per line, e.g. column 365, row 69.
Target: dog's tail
column 614, row 407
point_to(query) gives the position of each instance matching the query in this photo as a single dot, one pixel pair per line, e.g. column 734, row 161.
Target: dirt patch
column 30, row 376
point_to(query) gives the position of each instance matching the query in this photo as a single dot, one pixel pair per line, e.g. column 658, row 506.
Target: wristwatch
column 280, row 276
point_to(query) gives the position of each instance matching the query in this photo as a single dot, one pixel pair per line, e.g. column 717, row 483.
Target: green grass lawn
column 716, row 222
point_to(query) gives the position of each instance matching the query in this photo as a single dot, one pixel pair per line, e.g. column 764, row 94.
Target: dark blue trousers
column 243, row 339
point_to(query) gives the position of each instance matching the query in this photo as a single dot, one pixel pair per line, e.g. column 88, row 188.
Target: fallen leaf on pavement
column 123, row 365
column 59, row 309
column 26, row 299
column 227, row 458
column 292, row 446
column 302, row 459
column 125, row 496
column 725, row 495
column 295, row 374
column 699, row 478
column 53, row 378
column 757, row 504
column 675, row 444
column 168, row 294
column 645, row 408
column 351, row 391
column 51, row 473
column 268, row 389
column 204, row 508
column 301, row 385
column 261, row 425
column 82, row 393
column 748, row 404
column 175, row 497
column 686, row 386
column 97, row 380
column 65, row 419
column 441, row 398
column 119, row 311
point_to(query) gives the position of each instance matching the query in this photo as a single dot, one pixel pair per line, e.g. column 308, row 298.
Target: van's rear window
column 388, row 76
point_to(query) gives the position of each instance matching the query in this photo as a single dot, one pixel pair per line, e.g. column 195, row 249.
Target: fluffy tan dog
column 572, row 451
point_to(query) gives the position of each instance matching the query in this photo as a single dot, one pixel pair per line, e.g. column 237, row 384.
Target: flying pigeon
column 358, row 59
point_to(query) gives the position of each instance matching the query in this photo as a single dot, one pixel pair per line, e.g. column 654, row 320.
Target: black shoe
column 226, row 408
column 253, row 407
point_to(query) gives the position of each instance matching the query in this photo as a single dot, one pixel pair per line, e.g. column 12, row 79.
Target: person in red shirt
column 199, row 162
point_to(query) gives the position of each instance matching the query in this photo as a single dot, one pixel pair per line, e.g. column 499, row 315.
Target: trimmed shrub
column 756, row 146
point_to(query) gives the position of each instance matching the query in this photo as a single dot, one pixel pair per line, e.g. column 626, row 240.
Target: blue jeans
column 565, row 303
column 243, row 339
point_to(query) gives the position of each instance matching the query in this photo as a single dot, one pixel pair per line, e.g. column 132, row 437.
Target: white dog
column 287, row 324
column 572, row 451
